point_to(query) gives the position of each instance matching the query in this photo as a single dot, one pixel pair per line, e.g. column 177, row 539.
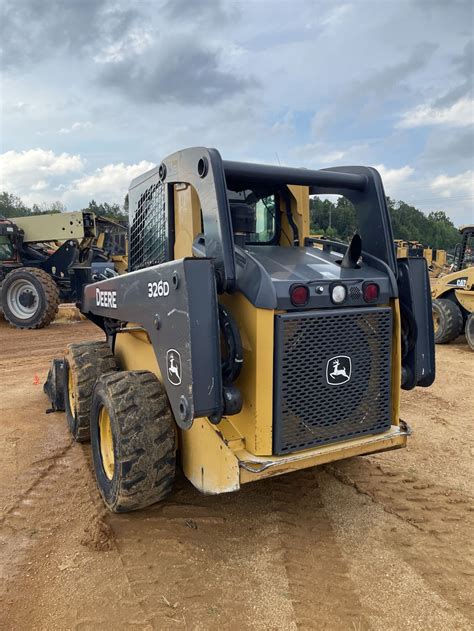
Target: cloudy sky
column 94, row 92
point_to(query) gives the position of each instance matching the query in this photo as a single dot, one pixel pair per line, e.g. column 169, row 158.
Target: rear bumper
column 257, row 467
column 215, row 461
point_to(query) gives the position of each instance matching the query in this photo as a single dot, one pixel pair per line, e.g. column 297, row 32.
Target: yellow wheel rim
column 435, row 322
column 106, row 443
column 70, row 391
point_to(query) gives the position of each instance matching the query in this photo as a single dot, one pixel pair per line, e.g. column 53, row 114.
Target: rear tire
column 447, row 320
column 84, row 363
column 133, row 437
column 470, row 331
column 30, row 298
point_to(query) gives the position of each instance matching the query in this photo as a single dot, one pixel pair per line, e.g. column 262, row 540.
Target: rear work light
column 370, row 292
column 338, row 294
column 299, row 295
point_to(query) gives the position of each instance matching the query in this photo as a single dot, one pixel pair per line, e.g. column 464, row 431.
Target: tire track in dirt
column 322, row 591
column 438, row 550
column 198, row 561
column 392, row 589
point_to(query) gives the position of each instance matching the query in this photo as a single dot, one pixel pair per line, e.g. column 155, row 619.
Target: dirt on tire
column 379, row 542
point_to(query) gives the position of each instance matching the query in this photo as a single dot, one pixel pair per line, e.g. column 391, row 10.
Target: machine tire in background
column 447, row 320
column 133, row 439
column 470, row 331
column 30, row 298
column 84, row 363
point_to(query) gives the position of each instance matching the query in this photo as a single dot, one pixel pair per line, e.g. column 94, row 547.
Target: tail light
column 370, row 292
column 299, row 295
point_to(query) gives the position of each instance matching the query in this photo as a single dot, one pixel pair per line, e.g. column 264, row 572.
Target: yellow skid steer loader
column 236, row 347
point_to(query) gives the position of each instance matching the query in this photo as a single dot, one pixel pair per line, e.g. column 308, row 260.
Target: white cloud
column 454, row 186
column 32, row 170
column 76, row 127
column 459, row 114
column 40, row 176
column 109, row 183
column 393, row 178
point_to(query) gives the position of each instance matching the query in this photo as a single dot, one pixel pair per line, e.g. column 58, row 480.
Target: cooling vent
column 318, row 401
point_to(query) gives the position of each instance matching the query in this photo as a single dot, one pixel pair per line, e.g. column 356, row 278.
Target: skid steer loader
column 453, row 294
column 239, row 342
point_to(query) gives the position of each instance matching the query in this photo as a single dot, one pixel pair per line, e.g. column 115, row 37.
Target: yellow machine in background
column 235, row 339
column 453, row 294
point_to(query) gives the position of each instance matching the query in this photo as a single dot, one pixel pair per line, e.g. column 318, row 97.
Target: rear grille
column 314, row 403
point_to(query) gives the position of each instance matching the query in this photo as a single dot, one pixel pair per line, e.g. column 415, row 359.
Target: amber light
column 299, row 295
column 371, row 292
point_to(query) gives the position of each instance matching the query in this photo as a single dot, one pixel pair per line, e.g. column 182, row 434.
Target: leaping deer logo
column 338, row 370
column 174, row 366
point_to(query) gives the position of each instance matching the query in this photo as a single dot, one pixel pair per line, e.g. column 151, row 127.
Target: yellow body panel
column 256, row 379
column 465, row 299
column 442, row 285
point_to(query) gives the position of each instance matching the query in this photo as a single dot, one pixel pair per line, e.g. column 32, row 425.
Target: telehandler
column 37, row 253
column 453, row 294
column 237, row 344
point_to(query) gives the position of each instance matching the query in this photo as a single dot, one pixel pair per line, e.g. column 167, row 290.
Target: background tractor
column 453, row 294
column 37, row 254
column 238, row 339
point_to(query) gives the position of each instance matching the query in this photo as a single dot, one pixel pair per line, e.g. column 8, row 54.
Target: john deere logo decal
column 338, row 370
column 173, row 359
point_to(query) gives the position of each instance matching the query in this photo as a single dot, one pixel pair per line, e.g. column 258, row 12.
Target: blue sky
column 94, row 92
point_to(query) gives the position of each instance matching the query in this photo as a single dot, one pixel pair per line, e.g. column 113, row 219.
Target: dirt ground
column 381, row 542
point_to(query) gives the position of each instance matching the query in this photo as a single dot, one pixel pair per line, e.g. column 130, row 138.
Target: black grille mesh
column 355, row 292
column 307, row 410
column 149, row 229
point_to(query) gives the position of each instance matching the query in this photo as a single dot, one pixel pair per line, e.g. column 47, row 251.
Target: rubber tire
column 48, row 293
column 470, row 331
column 450, row 320
column 88, row 361
column 144, row 440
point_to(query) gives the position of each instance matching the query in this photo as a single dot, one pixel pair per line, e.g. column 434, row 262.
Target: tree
column 12, row 206
column 110, row 211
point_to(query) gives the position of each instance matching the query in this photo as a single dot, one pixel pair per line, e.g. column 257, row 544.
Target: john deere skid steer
column 237, row 344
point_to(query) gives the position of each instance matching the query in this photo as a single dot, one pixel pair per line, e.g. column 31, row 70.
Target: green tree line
column 338, row 220
column 13, row 206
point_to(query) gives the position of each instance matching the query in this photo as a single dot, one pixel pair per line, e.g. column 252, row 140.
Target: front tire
column 30, row 298
column 470, row 331
column 447, row 321
column 84, row 363
column 133, row 438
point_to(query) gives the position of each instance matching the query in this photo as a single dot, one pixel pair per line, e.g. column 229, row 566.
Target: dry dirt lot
column 381, row 542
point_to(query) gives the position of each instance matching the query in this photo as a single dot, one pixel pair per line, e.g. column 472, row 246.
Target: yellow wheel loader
column 238, row 346
column 453, row 294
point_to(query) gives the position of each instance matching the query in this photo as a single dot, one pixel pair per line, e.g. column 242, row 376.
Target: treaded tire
column 447, row 320
column 47, row 297
column 84, row 363
column 470, row 331
column 143, row 436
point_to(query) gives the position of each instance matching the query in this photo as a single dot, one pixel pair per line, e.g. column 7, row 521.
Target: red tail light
column 371, row 292
column 299, row 295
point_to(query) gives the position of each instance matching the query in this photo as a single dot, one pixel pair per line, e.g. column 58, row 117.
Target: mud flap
column 418, row 351
column 53, row 386
column 176, row 304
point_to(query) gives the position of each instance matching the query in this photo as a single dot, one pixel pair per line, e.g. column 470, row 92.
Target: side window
column 266, row 214
column 149, row 229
